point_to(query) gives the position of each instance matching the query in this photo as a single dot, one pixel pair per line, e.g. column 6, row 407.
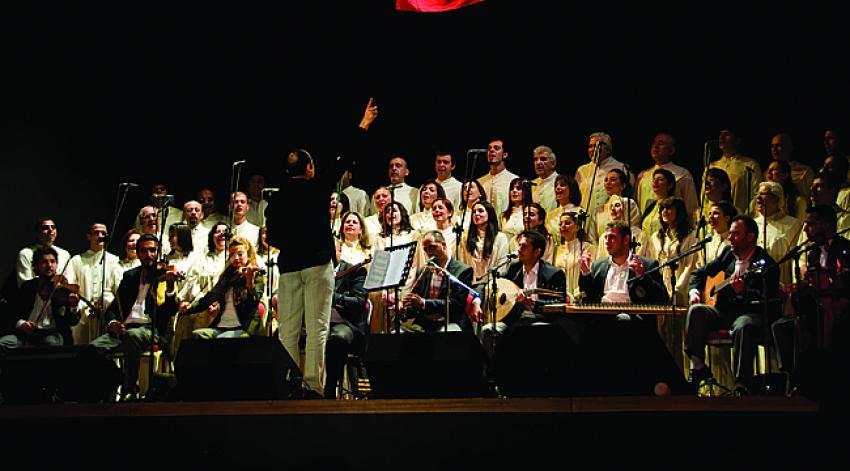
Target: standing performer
column 306, row 263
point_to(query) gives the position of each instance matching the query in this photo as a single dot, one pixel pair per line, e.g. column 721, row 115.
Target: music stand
column 389, row 269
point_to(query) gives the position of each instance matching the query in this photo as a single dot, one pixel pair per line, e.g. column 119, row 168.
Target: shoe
column 700, row 375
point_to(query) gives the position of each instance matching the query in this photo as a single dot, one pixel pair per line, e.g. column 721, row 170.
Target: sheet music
column 387, row 269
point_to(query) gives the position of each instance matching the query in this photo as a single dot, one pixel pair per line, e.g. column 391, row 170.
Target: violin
column 60, row 290
column 163, row 271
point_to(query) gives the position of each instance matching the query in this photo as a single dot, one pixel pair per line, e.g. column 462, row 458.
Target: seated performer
column 41, row 313
column 606, row 279
column 348, row 325
column 808, row 342
column 238, row 292
column 532, row 272
column 426, row 301
column 138, row 303
column 738, row 306
column 625, row 279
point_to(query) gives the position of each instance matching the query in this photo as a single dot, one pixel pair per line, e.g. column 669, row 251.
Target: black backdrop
column 95, row 95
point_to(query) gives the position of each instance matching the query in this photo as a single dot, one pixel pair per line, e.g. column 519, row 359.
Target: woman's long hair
column 232, row 277
column 404, row 225
column 683, row 221
column 489, row 232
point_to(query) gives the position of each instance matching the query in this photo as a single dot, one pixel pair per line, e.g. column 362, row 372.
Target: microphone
column 103, row 238
column 477, row 151
column 702, row 242
column 239, row 162
column 512, row 256
column 129, row 185
column 270, row 190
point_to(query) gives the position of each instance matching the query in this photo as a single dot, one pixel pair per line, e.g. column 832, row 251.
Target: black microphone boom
column 239, row 162
column 129, row 185
column 702, row 242
column 476, row 151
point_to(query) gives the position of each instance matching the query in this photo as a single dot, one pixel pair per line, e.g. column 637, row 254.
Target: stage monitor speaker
column 430, row 365
column 252, row 368
column 37, row 375
column 535, row 361
column 615, row 359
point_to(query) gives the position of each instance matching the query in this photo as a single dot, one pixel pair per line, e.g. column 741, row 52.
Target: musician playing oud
column 738, row 306
column 539, row 283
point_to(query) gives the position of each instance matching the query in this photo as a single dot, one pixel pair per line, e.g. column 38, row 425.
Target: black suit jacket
column 729, row 304
column 436, row 307
column 349, row 298
column 22, row 304
column 125, row 297
column 647, row 290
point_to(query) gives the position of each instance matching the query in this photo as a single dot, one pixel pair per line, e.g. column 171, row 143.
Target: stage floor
column 485, row 433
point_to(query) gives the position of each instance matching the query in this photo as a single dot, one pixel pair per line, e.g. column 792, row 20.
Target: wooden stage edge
column 574, row 405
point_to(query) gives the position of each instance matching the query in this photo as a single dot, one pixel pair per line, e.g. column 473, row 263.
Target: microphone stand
column 589, row 211
column 120, row 197
column 526, row 202
column 452, row 279
column 467, row 181
column 673, row 264
column 151, row 388
column 396, row 320
column 794, row 254
column 700, row 230
column 492, row 274
column 235, row 173
column 632, row 243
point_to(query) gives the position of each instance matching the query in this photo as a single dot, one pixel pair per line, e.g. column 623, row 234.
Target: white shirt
column 257, row 212
column 404, row 195
column 685, row 186
column 38, row 307
column 137, row 312
column 24, row 268
column 453, row 187
column 584, row 177
column 200, row 239
column 529, row 279
column 85, row 270
column 543, row 192
column 358, row 200
column 616, row 287
column 248, row 231
column 497, row 188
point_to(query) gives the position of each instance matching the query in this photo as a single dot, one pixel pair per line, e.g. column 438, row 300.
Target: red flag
column 433, row 6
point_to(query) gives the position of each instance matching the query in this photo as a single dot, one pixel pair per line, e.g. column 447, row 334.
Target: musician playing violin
column 235, row 298
column 739, row 305
column 145, row 295
column 43, row 309
column 821, row 327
